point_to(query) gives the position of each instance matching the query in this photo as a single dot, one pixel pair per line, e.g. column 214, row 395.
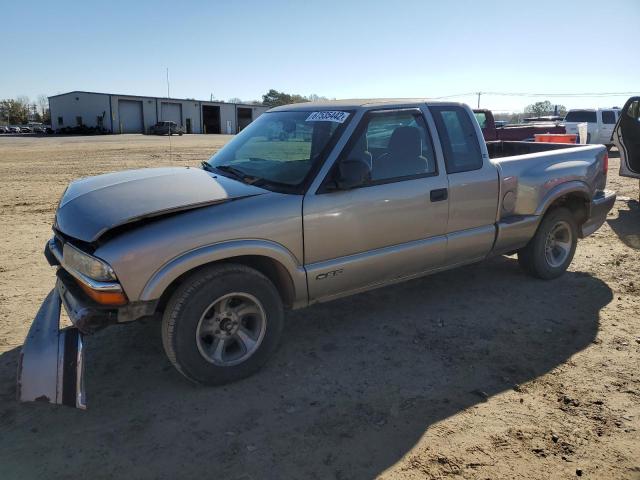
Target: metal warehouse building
column 135, row 114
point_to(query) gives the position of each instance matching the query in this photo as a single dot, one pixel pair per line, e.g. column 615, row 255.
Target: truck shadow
column 353, row 388
column 627, row 224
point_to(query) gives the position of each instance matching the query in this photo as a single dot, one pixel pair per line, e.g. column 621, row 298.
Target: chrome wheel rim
column 231, row 329
column 558, row 244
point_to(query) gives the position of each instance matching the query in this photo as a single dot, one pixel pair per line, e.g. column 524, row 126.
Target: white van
column 600, row 123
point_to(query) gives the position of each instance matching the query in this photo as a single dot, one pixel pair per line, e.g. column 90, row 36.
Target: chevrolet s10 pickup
column 347, row 196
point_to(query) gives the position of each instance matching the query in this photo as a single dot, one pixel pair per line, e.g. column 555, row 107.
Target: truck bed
column 502, row 148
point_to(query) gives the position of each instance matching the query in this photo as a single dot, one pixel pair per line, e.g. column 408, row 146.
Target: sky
column 337, row 49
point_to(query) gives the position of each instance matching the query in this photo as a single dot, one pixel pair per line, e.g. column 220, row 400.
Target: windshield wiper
column 237, row 173
column 234, row 172
column 243, row 177
column 207, row 166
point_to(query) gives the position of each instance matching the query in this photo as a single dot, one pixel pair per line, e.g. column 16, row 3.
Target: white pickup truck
column 600, row 123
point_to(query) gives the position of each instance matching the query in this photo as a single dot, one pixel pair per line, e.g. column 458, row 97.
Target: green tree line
column 20, row 110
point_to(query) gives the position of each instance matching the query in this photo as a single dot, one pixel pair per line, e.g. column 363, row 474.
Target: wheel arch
column 574, row 196
column 269, row 258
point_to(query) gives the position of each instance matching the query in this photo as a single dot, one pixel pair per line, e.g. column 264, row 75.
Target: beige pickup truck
column 346, row 196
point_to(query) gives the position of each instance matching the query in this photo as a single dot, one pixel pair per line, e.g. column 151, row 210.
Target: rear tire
column 549, row 253
column 222, row 324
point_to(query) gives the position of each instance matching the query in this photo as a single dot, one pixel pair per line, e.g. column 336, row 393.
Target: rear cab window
column 581, row 116
column 481, row 117
column 608, row 117
column 458, row 138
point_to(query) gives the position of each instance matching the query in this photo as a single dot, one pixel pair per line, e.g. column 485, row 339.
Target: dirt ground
column 480, row 372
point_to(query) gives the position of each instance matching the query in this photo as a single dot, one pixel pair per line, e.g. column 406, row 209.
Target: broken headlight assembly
column 87, row 265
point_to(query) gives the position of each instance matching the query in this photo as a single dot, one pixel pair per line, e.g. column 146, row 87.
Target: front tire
column 222, row 324
column 549, row 253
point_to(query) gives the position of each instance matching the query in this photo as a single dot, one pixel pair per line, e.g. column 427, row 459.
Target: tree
column 274, row 98
column 43, row 105
column 16, row 111
column 316, row 98
column 235, row 100
column 540, row 109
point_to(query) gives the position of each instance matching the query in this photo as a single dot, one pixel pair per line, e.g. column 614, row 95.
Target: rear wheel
column 222, row 324
column 549, row 253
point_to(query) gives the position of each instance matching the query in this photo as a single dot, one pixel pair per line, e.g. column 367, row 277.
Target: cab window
column 395, row 144
column 634, row 110
column 481, row 117
column 581, row 116
column 458, row 138
column 608, row 117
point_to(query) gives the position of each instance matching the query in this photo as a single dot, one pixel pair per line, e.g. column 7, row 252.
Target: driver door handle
column 439, row 195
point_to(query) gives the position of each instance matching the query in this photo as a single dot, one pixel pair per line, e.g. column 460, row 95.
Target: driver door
column 626, row 137
column 391, row 227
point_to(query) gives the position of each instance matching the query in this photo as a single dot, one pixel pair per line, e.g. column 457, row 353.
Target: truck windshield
column 279, row 150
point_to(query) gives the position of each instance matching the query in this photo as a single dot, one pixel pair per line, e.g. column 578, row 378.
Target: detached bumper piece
column 51, row 364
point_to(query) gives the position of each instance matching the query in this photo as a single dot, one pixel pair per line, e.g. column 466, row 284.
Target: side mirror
column 352, row 173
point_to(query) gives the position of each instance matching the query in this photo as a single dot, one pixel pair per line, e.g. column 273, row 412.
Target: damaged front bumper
column 51, row 363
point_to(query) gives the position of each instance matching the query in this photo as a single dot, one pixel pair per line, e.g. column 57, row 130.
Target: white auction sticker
column 328, row 116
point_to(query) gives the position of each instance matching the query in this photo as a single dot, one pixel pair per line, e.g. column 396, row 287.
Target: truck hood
column 92, row 206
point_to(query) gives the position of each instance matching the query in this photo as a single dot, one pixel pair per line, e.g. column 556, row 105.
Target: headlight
column 84, row 263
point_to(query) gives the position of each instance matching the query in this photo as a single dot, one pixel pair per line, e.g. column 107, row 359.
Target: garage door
column 130, row 114
column 171, row 112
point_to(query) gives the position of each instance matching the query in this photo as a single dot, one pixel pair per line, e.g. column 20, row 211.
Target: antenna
column 168, row 96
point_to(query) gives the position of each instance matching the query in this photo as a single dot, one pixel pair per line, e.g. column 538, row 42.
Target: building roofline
column 155, row 97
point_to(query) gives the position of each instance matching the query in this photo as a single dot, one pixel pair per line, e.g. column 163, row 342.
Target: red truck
column 512, row 132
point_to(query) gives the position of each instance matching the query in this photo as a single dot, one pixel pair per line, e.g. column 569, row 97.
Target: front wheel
column 549, row 253
column 222, row 324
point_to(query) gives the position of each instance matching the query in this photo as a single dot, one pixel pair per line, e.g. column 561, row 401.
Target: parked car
column 25, row 129
column 626, row 137
column 15, row 129
column 600, row 123
column 491, row 131
column 368, row 199
column 82, row 130
column 166, row 128
column 4, row 129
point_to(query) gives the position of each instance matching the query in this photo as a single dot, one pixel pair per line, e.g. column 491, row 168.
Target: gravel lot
column 480, row 372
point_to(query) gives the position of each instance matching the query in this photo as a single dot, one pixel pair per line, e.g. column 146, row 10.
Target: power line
column 550, row 95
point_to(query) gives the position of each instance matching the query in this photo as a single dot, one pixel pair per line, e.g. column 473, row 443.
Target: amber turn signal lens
column 104, row 298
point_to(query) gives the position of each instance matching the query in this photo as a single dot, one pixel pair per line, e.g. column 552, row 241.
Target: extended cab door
column 608, row 121
column 626, row 137
column 391, row 227
column 473, row 185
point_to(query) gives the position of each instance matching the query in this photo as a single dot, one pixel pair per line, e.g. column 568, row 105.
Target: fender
column 177, row 266
column 574, row 186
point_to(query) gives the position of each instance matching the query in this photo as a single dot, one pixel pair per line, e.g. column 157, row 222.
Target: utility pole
column 168, row 96
column 479, row 93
